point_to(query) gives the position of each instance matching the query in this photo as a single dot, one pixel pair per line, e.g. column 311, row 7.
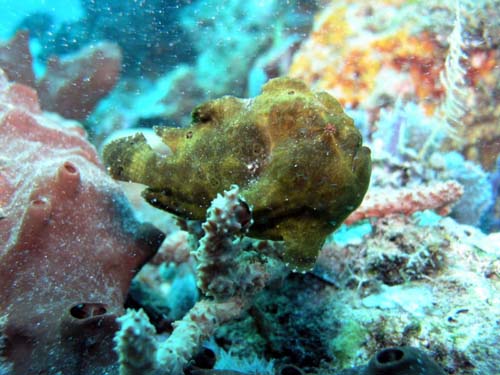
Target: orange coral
column 369, row 55
column 333, row 29
column 354, row 79
column 350, row 70
column 422, row 57
column 481, row 65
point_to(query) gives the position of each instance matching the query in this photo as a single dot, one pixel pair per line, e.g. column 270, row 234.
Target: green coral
column 297, row 157
column 347, row 342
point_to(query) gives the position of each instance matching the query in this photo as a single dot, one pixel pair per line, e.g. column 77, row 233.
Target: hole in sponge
column 38, row 202
column 70, row 167
column 290, row 370
column 390, row 355
column 87, row 310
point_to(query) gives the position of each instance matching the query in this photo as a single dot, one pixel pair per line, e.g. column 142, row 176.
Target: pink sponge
column 69, row 245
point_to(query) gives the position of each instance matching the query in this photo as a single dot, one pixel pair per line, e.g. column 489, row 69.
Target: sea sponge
column 69, row 244
column 297, row 157
column 403, row 360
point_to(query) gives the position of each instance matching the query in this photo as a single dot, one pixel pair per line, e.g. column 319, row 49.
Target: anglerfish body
column 297, row 157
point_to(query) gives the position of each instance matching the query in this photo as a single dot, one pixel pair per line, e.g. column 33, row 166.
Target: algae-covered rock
column 297, row 157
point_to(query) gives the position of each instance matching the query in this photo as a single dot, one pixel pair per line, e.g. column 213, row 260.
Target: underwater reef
column 249, row 246
column 217, row 50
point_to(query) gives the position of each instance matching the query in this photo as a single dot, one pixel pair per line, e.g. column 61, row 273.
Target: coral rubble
column 384, row 202
column 69, row 245
column 430, row 287
column 408, row 284
column 433, row 286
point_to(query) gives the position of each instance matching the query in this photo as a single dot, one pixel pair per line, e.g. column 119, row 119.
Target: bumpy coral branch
column 225, row 272
column 384, row 202
column 217, row 254
column 141, row 352
column 195, row 328
column 136, row 344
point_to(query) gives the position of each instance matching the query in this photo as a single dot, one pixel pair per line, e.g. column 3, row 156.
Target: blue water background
column 13, row 12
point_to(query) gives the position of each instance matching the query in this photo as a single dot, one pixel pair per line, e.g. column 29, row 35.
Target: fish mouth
column 361, row 159
column 362, row 169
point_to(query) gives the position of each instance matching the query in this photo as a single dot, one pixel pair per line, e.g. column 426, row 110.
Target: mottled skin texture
column 295, row 154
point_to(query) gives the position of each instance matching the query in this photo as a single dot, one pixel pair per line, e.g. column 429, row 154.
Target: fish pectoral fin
column 166, row 201
column 304, row 238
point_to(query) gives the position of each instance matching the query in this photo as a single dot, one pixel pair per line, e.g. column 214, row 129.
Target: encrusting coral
column 296, row 156
column 442, row 55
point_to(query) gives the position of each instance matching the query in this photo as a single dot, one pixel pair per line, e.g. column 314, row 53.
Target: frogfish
column 296, row 156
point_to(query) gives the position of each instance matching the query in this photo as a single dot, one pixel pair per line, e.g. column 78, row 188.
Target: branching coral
column 385, row 202
column 222, row 270
column 231, row 288
column 136, row 344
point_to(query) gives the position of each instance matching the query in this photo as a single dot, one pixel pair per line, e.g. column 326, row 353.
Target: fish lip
column 361, row 158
